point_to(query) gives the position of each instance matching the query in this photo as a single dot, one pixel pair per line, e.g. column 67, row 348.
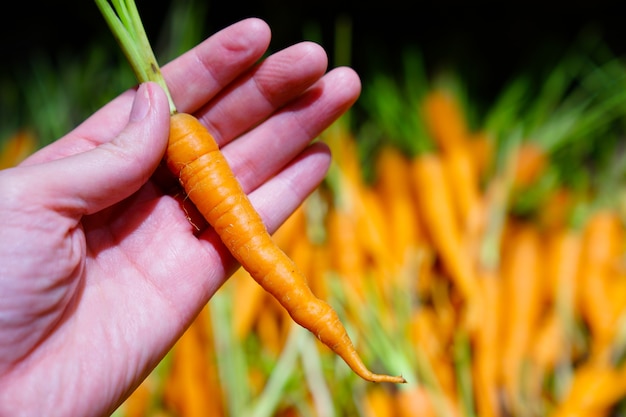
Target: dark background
column 486, row 42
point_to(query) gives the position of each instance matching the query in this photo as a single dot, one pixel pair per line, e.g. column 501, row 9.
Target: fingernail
column 141, row 104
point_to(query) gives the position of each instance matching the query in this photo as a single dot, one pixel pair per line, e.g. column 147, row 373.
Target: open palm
column 103, row 263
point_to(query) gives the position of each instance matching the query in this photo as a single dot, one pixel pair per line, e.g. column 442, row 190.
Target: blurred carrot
column 594, row 390
column 603, row 246
column 563, row 251
column 192, row 388
column 556, row 212
column 414, row 401
column 347, row 256
column 394, row 187
column 292, row 228
column 447, row 124
column 435, row 205
column 269, row 324
column 445, row 119
column 17, row 147
column 138, row 403
column 248, row 296
column 530, row 162
column 378, row 402
column 481, row 148
column 552, row 357
column 464, row 183
column 373, row 228
column 429, row 334
column 313, row 259
column 521, row 280
column 487, row 346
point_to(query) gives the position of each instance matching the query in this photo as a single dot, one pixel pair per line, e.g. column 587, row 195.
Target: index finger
column 198, row 75
column 193, row 78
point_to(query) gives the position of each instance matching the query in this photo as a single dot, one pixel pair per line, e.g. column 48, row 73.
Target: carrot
column 249, row 297
column 465, row 187
column 210, row 184
column 531, row 163
column 448, row 126
column 481, row 148
column 193, row 156
column 138, row 403
column 377, row 402
column 486, row 346
column 445, row 119
column 594, row 389
column 521, row 275
column 347, row 257
column 16, row 148
column 434, row 204
column 414, row 401
column 394, row 187
column 602, row 247
column 192, row 371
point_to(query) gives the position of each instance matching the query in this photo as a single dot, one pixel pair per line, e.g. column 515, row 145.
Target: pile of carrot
column 478, row 253
column 481, row 257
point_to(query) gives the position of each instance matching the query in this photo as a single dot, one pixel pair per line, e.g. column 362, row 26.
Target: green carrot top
column 125, row 23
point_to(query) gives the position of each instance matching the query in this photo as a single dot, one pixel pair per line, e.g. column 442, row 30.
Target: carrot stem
column 125, row 23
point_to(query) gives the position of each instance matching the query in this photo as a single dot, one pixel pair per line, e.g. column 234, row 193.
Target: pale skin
column 100, row 268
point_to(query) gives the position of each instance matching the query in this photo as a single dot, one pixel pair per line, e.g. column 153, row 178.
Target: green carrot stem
column 127, row 28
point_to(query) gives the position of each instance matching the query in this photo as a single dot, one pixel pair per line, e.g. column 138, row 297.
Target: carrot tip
column 387, row 378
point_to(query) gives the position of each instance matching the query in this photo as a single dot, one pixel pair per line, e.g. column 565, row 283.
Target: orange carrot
column 521, row 275
column 347, row 258
column 138, row 403
column 594, row 389
column 394, row 187
column 486, row 346
column 550, row 347
column 16, row 148
column 531, row 160
column 434, row 203
column 269, row 328
column 194, row 157
column 602, row 247
column 249, row 297
column 445, row 119
column 377, row 402
column 481, row 147
column 448, row 126
column 464, row 182
column 414, row 401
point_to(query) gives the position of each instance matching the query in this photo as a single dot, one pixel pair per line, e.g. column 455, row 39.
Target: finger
column 279, row 197
column 193, row 78
column 261, row 153
column 90, row 181
column 277, row 80
column 198, row 75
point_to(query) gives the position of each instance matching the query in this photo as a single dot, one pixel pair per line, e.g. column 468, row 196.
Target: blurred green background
column 486, row 42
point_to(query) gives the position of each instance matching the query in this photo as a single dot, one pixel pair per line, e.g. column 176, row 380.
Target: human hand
column 100, row 269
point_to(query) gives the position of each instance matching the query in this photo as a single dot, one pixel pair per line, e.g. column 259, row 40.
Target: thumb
column 91, row 181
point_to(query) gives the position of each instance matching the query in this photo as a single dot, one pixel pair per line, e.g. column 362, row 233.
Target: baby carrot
column 16, row 148
column 522, row 290
column 445, row 119
column 194, row 157
column 434, row 202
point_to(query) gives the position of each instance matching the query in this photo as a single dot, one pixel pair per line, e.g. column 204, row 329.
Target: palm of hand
column 104, row 270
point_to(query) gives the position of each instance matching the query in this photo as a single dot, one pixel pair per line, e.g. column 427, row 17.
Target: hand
column 100, row 269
